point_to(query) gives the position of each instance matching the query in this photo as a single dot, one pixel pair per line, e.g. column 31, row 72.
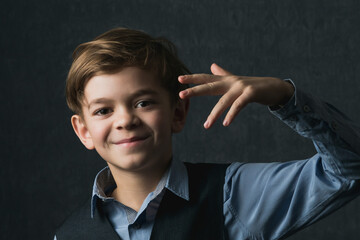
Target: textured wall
column 46, row 172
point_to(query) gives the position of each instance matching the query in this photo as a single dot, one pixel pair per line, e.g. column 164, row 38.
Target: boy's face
column 129, row 119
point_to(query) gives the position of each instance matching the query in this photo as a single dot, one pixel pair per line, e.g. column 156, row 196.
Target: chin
column 129, row 164
column 137, row 162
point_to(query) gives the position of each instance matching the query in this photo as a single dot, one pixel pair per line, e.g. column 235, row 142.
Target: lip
column 132, row 141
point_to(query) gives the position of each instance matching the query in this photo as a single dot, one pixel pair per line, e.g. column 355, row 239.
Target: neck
column 133, row 187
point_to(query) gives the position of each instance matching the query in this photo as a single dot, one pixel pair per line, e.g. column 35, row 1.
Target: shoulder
column 75, row 222
column 81, row 225
column 203, row 175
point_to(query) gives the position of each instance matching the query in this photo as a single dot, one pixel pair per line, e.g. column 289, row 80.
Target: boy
column 124, row 88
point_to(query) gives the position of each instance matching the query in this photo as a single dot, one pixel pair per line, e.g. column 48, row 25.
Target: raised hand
column 236, row 91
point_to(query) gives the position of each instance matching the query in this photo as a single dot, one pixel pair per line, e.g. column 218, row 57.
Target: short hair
column 120, row 48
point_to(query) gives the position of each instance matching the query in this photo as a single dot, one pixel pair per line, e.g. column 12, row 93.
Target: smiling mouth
column 128, row 142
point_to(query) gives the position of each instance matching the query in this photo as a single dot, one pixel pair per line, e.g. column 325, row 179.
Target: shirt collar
column 176, row 182
column 103, row 183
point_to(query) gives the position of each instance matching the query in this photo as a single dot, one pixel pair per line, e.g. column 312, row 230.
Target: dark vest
column 176, row 219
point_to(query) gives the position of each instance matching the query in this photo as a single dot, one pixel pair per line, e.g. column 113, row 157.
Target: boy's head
column 123, row 87
column 120, row 48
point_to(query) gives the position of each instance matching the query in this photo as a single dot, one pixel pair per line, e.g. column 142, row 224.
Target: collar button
column 136, row 225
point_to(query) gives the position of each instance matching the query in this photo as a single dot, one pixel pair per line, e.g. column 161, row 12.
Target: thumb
column 217, row 70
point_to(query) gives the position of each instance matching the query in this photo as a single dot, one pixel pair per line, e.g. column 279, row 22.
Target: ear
column 180, row 113
column 82, row 132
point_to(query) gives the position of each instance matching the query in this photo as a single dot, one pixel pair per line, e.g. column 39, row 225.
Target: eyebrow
column 144, row 92
column 134, row 95
column 99, row 101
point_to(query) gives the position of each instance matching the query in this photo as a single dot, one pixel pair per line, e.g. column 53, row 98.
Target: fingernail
column 225, row 123
column 185, row 93
column 206, row 124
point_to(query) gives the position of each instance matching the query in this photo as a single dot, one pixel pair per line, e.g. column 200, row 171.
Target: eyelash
column 98, row 112
column 146, row 102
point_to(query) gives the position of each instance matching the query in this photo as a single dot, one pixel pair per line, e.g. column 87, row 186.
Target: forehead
column 122, row 84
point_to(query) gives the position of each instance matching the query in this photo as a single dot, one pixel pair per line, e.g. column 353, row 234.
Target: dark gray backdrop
column 46, row 172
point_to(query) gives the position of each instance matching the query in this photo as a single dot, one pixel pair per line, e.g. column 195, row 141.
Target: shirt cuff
column 290, row 105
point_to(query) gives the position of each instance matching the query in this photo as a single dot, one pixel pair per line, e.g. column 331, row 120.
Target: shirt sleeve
column 274, row 200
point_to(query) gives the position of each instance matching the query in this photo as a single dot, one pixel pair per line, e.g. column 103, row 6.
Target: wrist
column 288, row 91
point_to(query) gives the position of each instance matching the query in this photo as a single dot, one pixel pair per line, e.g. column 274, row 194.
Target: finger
column 198, row 78
column 224, row 102
column 208, row 89
column 217, row 70
column 239, row 104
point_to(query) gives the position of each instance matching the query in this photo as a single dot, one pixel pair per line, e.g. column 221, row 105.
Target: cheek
column 99, row 132
column 161, row 122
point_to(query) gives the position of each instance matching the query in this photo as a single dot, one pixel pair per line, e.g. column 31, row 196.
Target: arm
column 273, row 200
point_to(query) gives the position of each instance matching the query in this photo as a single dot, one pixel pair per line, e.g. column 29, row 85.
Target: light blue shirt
column 263, row 200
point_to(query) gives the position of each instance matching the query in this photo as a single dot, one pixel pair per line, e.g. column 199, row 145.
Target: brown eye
column 102, row 111
column 143, row 104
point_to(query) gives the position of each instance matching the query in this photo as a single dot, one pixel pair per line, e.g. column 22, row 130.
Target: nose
column 126, row 119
